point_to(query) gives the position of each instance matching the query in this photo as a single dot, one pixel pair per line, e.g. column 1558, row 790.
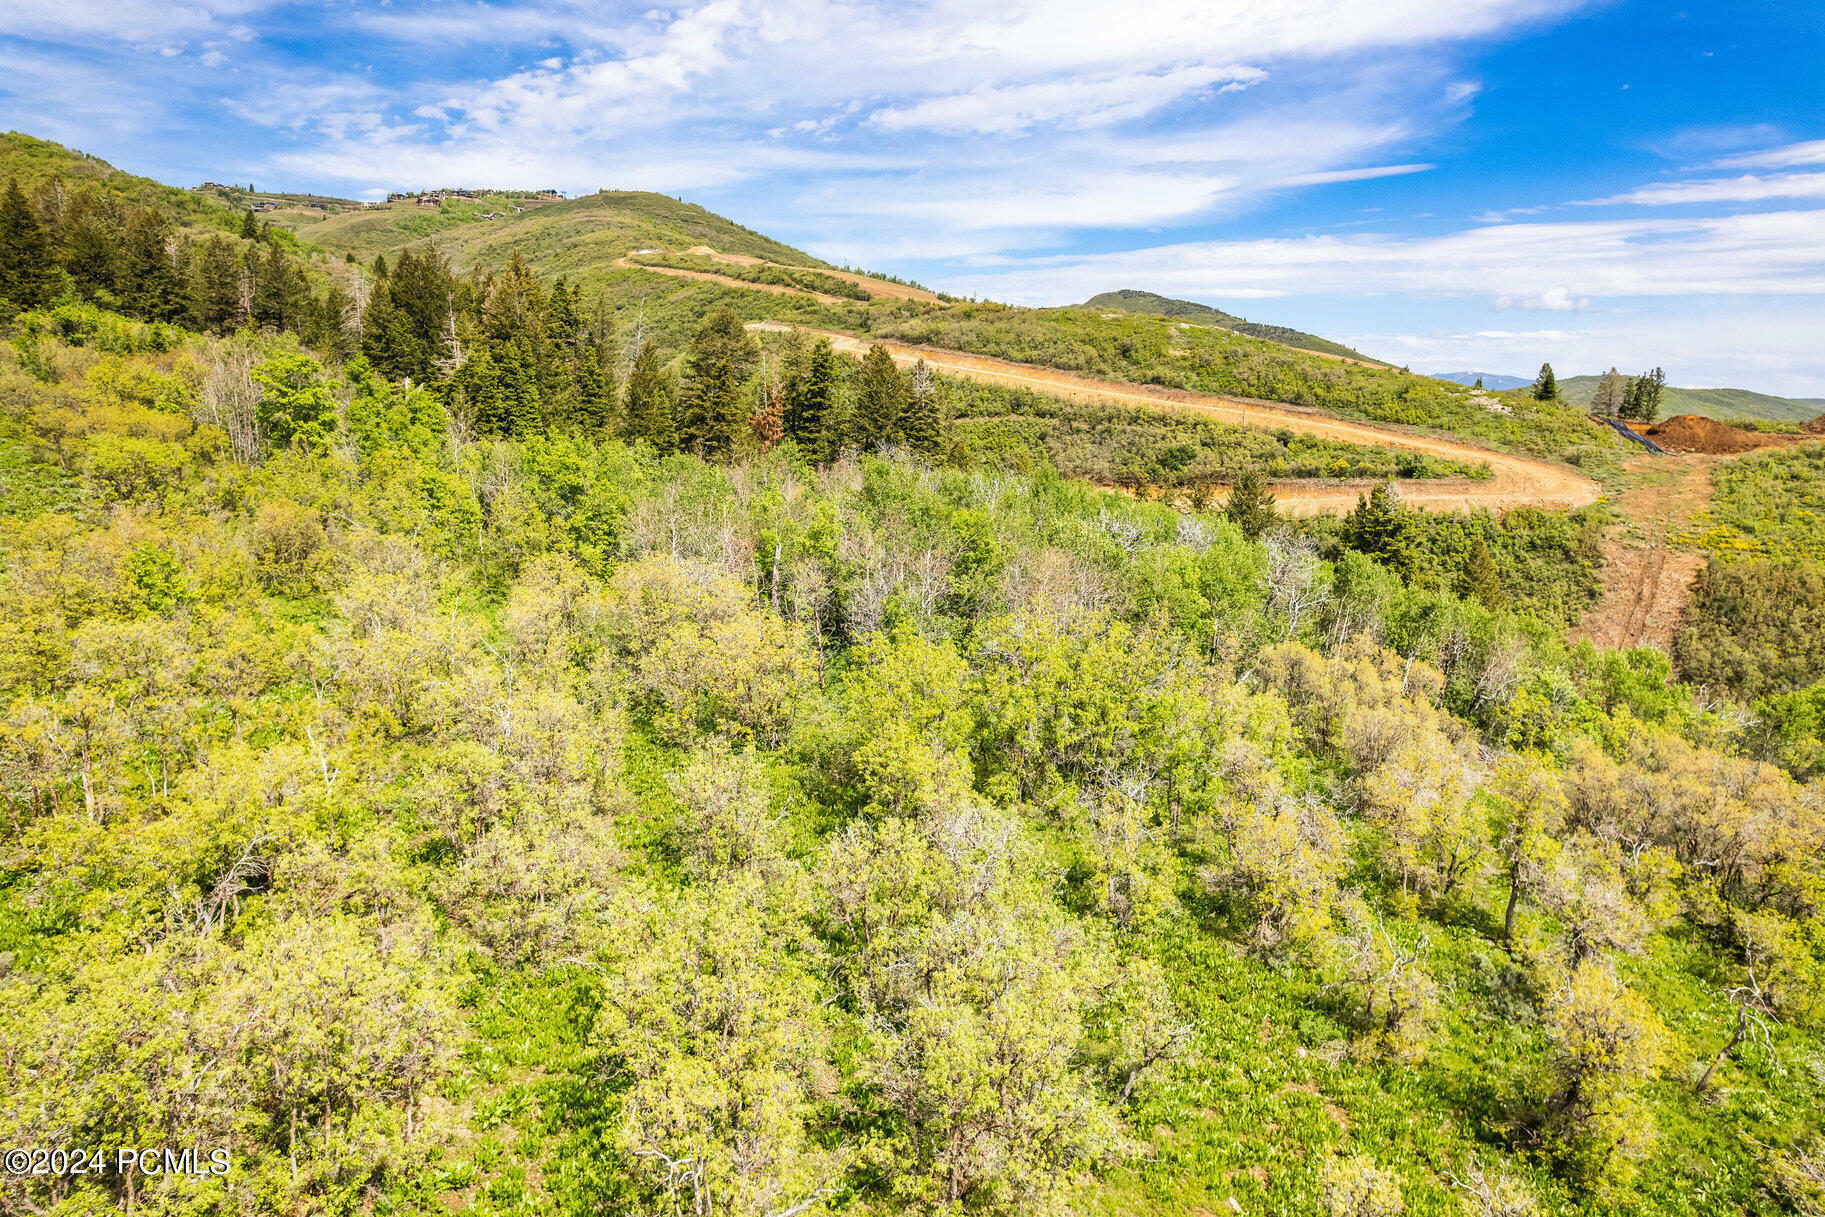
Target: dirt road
column 728, row 280
column 879, row 289
column 1515, row 481
column 1646, row 582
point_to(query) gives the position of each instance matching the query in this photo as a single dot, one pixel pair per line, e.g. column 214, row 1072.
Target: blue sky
column 1455, row 184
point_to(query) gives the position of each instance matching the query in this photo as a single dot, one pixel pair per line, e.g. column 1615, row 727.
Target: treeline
column 84, row 242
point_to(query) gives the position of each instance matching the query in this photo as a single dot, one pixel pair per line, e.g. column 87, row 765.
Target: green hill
column 1711, row 403
column 34, row 162
column 571, row 237
column 1129, row 300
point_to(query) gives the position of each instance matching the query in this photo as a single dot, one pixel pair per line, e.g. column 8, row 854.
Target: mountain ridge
column 1133, row 300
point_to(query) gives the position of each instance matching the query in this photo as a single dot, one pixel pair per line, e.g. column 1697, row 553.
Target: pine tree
column 150, row 288
column 922, row 423
column 250, row 227
column 476, row 395
column 594, row 396
column 880, row 399
column 215, row 288
column 647, row 415
column 1610, row 396
column 92, row 245
column 380, row 267
column 1546, row 386
column 810, row 396
column 1479, row 382
column 28, row 268
column 1250, row 506
column 722, row 357
column 525, row 414
column 1480, row 579
column 1650, row 391
column 1383, row 529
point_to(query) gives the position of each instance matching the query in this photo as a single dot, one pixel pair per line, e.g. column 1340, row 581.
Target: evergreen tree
column 1479, row 382
column 91, row 245
column 810, row 396
column 594, row 396
column 1250, row 506
column 647, row 413
column 28, row 268
column 1645, row 395
column 476, row 396
column 215, row 288
column 721, row 359
column 250, row 227
column 1383, row 529
column 1480, row 579
column 276, row 291
column 921, row 423
column 150, row 288
column 1546, row 386
column 387, row 338
column 880, row 399
column 1611, row 395
column 380, row 267
column 519, row 387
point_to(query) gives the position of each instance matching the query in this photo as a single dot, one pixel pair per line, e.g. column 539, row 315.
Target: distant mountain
column 1129, row 300
column 1491, row 380
column 1711, row 403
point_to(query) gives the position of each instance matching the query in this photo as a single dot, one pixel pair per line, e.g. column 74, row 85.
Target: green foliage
column 296, row 406
column 796, row 278
column 449, row 819
column 1185, row 310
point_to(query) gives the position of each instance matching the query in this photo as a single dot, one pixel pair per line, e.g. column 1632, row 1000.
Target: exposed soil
column 1814, row 426
column 880, row 289
column 1646, row 582
column 1515, row 481
column 1696, row 433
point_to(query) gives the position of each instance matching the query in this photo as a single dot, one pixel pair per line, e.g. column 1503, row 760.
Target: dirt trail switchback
column 1515, row 481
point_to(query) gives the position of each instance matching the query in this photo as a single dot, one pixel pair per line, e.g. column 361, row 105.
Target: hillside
column 1712, row 403
column 568, row 237
column 35, row 162
column 1129, row 300
column 1491, row 380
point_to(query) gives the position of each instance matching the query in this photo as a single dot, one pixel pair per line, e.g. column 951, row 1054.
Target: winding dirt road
column 1515, row 481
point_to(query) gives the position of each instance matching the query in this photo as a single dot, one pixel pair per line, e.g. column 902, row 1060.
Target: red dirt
column 1814, row 426
column 1696, row 433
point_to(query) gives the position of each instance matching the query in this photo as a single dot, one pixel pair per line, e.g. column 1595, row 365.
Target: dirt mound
column 1695, row 433
column 1814, row 426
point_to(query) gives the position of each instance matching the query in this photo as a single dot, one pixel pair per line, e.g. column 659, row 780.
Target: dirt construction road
column 1647, row 583
column 1516, row 481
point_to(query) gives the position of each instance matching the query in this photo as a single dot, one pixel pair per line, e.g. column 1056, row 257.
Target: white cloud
column 1071, row 102
column 1552, row 300
column 1749, row 188
column 1776, row 253
column 1812, row 152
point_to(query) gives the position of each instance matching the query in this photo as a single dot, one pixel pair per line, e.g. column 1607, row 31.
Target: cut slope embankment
column 1515, row 481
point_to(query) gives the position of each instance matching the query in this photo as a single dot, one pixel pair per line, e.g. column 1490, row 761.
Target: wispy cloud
column 1749, row 188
